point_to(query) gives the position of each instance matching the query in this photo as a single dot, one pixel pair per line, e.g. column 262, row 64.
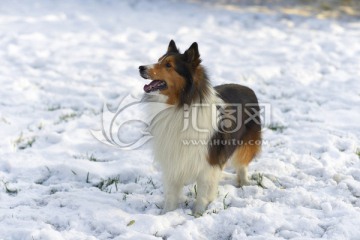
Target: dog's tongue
column 152, row 86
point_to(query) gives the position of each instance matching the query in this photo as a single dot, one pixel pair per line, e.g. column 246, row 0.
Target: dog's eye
column 168, row 65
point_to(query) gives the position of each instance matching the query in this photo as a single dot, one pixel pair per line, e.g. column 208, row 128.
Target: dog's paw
column 197, row 215
column 244, row 182
column 163, row 212
column 199, row 209
column 168, row 207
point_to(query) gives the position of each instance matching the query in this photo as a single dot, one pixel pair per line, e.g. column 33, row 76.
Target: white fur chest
column 180, row 140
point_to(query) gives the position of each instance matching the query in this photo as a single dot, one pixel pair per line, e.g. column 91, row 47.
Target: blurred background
column 319, row 8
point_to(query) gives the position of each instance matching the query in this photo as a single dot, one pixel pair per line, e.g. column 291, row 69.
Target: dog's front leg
column 172, row 195
column 207, row 186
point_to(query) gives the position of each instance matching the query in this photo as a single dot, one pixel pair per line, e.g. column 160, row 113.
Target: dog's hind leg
column 244, row 154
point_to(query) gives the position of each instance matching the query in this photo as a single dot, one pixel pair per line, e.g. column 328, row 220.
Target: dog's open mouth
column 155, row 85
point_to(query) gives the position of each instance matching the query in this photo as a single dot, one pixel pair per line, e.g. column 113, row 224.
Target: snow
column 62, row 60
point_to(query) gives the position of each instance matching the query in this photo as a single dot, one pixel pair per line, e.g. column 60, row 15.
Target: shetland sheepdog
column 204, row 127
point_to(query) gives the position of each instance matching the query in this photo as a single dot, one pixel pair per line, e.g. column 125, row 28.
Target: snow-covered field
column 61, row 60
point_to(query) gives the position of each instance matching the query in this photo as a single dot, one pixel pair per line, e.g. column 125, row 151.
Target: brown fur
column 245, row 153
column 174, row 81
column 247, row 139
column 186, row 79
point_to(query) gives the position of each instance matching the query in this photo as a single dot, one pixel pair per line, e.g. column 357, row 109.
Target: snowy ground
column 61, row 60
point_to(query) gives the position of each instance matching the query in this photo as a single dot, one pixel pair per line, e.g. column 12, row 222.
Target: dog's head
column 175, row 75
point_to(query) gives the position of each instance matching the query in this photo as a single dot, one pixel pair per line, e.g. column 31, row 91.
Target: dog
column 194, row 138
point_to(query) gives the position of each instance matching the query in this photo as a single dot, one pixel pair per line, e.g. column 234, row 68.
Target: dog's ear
column 192, row 55
column 172, row 47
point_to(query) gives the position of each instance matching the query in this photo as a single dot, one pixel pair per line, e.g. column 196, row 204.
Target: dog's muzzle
column 143, row 72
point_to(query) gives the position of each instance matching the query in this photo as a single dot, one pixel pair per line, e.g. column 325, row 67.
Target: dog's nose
column 142, row 68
